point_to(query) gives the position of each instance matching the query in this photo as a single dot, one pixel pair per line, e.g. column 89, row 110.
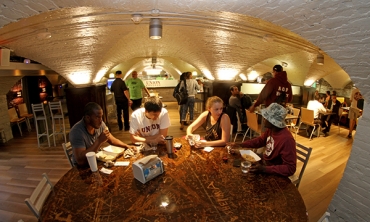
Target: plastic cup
column 91, row 158
column 245, row 165
column 153, row 145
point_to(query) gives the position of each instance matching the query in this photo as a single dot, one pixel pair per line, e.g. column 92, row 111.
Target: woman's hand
column 200, row 143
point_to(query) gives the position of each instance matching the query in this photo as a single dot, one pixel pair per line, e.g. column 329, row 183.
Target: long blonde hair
column 212, row 100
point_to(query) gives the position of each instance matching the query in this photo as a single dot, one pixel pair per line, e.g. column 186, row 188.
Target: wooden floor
column 22, row 163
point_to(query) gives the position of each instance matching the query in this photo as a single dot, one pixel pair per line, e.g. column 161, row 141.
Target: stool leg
column 20, row 129
column 37, row 133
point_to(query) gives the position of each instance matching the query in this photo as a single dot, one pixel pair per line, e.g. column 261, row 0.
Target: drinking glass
column 245, row 165
column 153, row 145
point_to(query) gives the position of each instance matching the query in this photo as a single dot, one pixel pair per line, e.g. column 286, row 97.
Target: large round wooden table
column 196, row 186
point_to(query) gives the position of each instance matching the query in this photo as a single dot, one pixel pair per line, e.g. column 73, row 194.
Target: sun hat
column 275, row 114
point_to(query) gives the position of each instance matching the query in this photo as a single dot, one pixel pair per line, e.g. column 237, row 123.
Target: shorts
column 354, row 113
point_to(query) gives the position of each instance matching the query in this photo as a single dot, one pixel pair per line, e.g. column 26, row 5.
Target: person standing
column 135, row 86
column 354, row 111
column 192, row 86
column 274, row 89
column 122, row 97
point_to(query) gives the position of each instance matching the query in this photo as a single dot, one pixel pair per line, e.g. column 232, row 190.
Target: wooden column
column 77, row 98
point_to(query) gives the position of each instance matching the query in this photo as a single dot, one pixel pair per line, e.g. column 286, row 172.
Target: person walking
column 274, row 89
column 135, row 86
column 122, row 97
column 192, row 86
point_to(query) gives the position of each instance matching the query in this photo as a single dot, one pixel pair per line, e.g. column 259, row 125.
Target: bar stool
column 14, row 119
column 56, row 112
column 40, row 115
column 23, row 112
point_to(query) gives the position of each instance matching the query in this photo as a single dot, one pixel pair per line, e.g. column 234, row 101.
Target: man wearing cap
column 280, row 155
column 122, row 97
column 275, row 89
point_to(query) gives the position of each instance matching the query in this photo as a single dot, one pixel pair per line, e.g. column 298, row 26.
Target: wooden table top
column 196, row 186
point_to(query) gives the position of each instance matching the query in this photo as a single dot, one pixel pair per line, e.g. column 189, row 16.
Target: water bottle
column 169, row 144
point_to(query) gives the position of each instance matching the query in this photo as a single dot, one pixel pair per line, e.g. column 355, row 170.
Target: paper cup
column 91, row 158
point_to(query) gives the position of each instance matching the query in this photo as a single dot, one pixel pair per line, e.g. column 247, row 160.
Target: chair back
column 303, row 155
column 307, row 116
column 56, row 109
column 39, row 195
column 38, row 110
column 13, row 115
column 296, row 112
column 22, row 109
column 252, row 121
column 68, row 152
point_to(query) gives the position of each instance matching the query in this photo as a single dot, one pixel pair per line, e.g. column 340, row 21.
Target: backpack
column 181, row 95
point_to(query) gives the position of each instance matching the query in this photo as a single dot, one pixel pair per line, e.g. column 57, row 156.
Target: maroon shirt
column 273, row 89
column 280, row 154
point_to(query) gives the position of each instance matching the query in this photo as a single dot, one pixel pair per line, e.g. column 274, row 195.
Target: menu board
column 160, row 83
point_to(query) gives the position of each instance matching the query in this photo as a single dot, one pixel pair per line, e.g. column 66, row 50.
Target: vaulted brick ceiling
column 217, row 38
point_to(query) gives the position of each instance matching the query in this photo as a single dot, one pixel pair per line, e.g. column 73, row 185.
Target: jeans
column 184, row 109
column 122, row 106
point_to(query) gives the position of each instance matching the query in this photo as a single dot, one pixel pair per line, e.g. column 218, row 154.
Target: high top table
column 196, row 186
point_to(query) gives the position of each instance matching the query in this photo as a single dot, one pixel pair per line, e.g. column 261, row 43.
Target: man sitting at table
column 333, row 105
column 280, row 154
column 317, row 108
column 150, row 124
column 88, row 134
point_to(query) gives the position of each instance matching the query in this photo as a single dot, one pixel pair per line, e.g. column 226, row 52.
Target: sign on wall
column 160, row 83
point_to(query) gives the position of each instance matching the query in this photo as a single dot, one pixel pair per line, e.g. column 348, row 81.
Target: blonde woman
column 217, row 124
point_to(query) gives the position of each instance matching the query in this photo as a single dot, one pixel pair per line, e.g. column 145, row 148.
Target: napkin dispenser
column 147, row 168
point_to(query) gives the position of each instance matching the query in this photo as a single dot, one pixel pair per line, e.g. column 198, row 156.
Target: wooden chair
column 56, row 113
column 40, row 115
column 252, row 123
column 39, row 195
column 293, row 122
column 308, row 119
column 14, row 119
column 68, row 152
column 23, row 112
column 303, row 155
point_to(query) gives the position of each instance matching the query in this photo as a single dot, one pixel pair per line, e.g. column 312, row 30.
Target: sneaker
column 349, row 136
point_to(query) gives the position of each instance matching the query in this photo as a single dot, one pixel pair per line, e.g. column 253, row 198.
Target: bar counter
column 196, row 186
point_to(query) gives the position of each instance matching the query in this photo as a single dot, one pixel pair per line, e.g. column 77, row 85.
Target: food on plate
column 249, row 158
column 102, row 155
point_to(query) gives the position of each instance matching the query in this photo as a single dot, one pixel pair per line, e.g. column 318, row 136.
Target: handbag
column 182, row 95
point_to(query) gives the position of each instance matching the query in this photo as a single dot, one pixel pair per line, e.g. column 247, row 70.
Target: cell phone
column 236, row 163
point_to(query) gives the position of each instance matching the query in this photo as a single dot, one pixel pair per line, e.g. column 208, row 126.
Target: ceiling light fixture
column 320, row 59
column 284, row 64
column 268, row 38
column 137, row 18
column 155, row 28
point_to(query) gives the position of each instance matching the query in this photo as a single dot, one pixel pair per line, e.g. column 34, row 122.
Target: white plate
column 138, row 143
column 113, row 149
column 177, row 144
column 250, row 152
column 208, row 149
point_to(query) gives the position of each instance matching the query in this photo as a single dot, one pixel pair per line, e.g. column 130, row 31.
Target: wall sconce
column 137, row 18
column 320, row 59
column 155, row 28
column 19, row 94
column 43, row 90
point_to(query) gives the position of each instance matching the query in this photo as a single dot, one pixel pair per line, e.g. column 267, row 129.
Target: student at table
column 217, row 124
column 150, row 124
column 90, row 133
column 333, row 105
column 317, row 108
column 280, row 155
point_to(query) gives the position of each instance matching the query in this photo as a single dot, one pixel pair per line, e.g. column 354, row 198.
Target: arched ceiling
column 218, row 39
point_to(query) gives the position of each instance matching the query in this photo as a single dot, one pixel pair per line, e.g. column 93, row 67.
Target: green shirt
column 135, row 87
